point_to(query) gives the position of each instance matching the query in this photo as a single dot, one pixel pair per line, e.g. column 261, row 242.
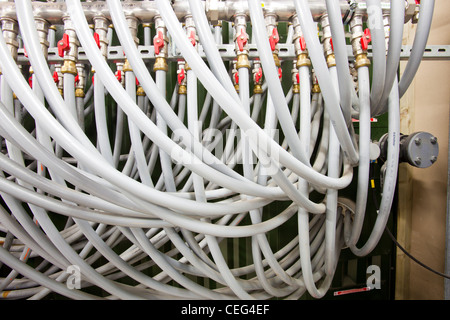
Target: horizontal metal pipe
column 216, row 10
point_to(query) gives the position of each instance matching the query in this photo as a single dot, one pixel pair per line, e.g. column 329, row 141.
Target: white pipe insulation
column 145, row 179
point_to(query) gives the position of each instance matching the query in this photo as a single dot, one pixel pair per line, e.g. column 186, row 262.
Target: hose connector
column 300, row 44
column 295, row 78
column 315, row 83
column 160, row 44
column 181, row 76
column 257, row 77
column 120, row 73
column 42, row 27
column 10, row 29
column 327, row 41
column 58, row 79
column 191, row 33
column 68, row 47
column 360, row 41
column 140, row 91
column 241, row 41
column 101, row 27
column 235, row 75
column 132, row 22
column 80, row 81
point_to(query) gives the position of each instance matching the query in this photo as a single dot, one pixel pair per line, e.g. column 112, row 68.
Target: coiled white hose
column 152, row 189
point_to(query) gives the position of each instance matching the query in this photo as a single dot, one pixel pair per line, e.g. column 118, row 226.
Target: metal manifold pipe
column 137, row 136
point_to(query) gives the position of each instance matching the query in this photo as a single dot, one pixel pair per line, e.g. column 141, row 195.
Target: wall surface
column 423, row 192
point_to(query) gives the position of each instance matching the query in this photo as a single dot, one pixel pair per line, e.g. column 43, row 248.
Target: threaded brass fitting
column 361, row 60
column 182, row 89
column 69, row 66
column 160, row 64
column 140, row 91
column 257, row 89
column 331, row 60
column 303, row 60
column 315, row 88
column 127, row 66
column 242, row 61
column 79, row 93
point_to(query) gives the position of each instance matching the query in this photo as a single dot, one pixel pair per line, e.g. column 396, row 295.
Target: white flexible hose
column 122, row 185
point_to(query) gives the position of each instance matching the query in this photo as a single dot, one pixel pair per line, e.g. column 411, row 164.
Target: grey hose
column 420, row 42
column 328, row 89
column 340, row 50
column 393, row 57
column 375, row 22
column 390, row 176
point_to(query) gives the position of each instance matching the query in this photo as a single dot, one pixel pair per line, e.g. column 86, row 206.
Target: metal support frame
column 227, row 52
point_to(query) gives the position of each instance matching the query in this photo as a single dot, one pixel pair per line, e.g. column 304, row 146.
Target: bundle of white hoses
column 171, row 202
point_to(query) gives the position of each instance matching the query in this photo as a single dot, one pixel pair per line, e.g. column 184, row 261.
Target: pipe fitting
column 10, row 29
column 315, row 83
column 160, row 64
column 240, row 36
column 257, row 77
column 101, row 26
column 119, row 73
column 242, row 61
column 59, row 81
column 69, row 66
column 70, row 41
column 327, row 41
column 126, row 66
column 81, row 76
column 299, row 44
column 272, row 30
column 235, row 75
column 140, row 91
column 295, row 79
column 160, row 41
column 133, row 23
column 357, row 34
column 181, row 77
column 42, row 27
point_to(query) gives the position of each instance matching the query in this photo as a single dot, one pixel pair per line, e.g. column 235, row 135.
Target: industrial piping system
column 134, row 138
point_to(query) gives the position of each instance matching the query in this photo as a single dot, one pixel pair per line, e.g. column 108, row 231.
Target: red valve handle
column 258, row 75
column 158, row 42
column 331, row 43
column 30, row 81
column 298, row 78
column 119, row 75
column 55, row 77
column 137, row 82
column 242, row 40
column 236, row 78
column 365, row 40
column 274, row 38
column 181, row 76
column 77, row 79
column 63, row 45
column 302, row 43
column 97, row 39
column 192, row 38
